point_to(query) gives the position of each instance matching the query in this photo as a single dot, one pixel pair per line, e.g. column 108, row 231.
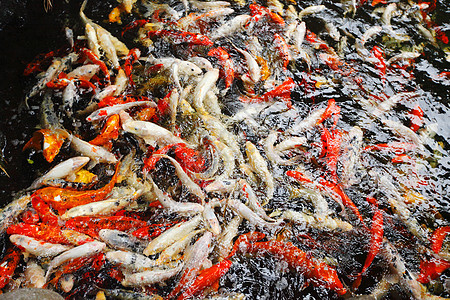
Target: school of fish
column 201, row 137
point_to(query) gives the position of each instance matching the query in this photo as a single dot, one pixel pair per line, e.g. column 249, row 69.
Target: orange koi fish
column 62, row 199
column 345, row 199
column 52, row 142
column 151, row 231
column 328, row 187
column 109, row 132
column 134, row 24
column 432, row 269
column 258, row 11
column 331, row 145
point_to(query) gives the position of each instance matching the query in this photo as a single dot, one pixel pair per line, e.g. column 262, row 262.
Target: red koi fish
column 432, row 269
column 206, row 279
column 315, row 40
column 416, row 117
column 133, row 55
column 163, row 104
column 182, row 37
column 225, row 62
column 375, row 243
column 438, row 238
column 109, row 132
column 30, row 217
column 188, row 158
column 151, row 231
column 150, row 162
column 42, row 61
column 43, row 232
column 331, row 145
column 345, row 199
column 52, row 142
column 319, row 273
column 329, row 187
column 396, row 147
column 378, row 53
column 92, row 225
column 403, row 159
column 89, row 54
column 375, row 2
column 63, row 81
column 62, row 199
column 8, row 265
column 134, row 24
column 244, row 240
column 283, row 91
column 44, row 211
column 283, row 49
column 258, row 11
column 114, row 100
column 331, row 110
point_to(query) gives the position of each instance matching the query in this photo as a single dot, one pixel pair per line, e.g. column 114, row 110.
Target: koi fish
column 319, row 273
column 63, row 199
column 36, row 247
column 150, row 277
column 416, row 118
column 171, row 252
column 206, row 278
column 180, row 37
column 225, row 62
column 44, row 232
column 170, row 236
column 121, row 240
column 109, row 132
column 52, row 142
column 206, row 84
column 438, row 237
column 283, row 50
column 282, row 91
column 375, row 244
column 94, row 58
column 194, row 260
column 8, row 265
column 92, row 225
column 34, row 275
column 132, row 57
column 85, row 250
column 61, row 170
column 130, row 260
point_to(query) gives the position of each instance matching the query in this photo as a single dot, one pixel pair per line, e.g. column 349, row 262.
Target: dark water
column 27, row 30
